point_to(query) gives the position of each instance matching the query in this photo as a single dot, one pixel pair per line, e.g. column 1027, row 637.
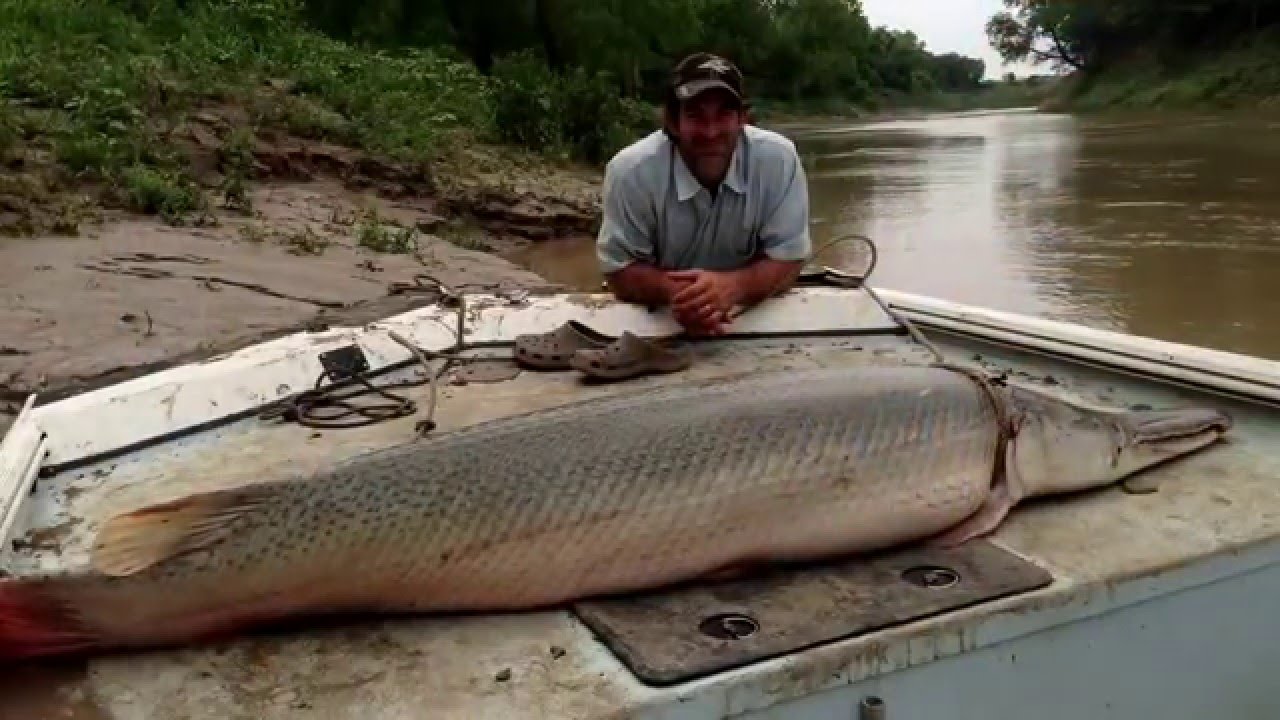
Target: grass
column 102, row 94
column 385, row 237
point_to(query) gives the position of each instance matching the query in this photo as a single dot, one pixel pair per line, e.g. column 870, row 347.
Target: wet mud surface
column 133, row 296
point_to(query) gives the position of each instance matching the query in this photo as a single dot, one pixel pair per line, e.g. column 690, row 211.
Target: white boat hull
column 1160, row 605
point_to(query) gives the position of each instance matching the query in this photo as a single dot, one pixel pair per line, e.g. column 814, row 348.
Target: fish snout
column 1155, row 427
column 1154, row 437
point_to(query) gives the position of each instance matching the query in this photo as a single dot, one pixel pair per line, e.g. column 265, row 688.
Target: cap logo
column 715, row 65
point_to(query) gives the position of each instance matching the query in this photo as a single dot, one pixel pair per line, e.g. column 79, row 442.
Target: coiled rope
column 861, row 281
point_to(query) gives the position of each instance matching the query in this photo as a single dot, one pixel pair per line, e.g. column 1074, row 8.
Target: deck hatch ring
column 871, row 708
column 729, row 626
column 931, row 576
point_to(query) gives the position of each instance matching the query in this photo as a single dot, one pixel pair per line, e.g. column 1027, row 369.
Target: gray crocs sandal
column 630, row 356
column 553, row 350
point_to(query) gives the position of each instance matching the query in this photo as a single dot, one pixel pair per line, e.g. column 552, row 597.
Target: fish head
column 1062, row 445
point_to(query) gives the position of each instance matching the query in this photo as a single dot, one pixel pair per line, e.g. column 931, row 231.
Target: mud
column 329, row 236
column 132, row 295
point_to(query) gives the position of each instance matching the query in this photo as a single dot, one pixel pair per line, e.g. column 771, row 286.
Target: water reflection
column 950, row 203
column 1169, row 228
column 1161, row 226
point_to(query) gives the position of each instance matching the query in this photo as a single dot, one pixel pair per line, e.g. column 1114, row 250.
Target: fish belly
column 605, row 496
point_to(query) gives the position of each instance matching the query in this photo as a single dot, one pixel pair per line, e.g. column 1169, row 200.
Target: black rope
column 330, row 407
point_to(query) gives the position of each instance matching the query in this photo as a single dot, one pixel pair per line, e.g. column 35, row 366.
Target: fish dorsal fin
column 134, row 541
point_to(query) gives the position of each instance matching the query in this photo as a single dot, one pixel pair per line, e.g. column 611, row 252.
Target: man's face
column 707, row 127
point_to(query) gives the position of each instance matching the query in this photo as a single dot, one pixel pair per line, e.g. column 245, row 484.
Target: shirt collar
column 736, row 179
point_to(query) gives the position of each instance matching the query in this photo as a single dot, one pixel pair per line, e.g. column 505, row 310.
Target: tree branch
column 1062, row 51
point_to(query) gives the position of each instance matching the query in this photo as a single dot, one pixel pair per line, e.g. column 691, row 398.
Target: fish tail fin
column 36, row 623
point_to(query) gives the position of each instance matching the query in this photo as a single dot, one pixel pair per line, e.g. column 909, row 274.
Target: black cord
column 307, row 408
column 329, row 407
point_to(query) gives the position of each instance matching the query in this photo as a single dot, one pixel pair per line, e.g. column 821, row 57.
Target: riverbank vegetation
column 1148, row 53
column 164, row 106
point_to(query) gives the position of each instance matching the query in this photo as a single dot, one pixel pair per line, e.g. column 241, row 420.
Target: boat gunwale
column 1206, row 369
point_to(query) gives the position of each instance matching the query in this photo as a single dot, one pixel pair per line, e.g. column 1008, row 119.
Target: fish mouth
column 1176, row 431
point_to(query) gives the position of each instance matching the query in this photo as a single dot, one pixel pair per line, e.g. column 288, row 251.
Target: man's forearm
column 642, row 283
column 765, row 278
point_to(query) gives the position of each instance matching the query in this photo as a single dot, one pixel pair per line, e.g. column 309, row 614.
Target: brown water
column 1164, row 226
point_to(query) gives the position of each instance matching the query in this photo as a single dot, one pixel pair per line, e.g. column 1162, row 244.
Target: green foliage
column 380, row 236
column 1242, row 76
column 106, row 89
column 1091, row 34
column 576, row 113
column 795, row 52
column 112, row 82
column 10, row 130
column 1148, row 53
column 528, row 106
column 170, row 195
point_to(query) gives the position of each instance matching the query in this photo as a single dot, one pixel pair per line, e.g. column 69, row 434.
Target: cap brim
column 697, row 87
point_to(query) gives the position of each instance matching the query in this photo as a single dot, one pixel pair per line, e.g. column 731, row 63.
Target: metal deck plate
column 687, row 632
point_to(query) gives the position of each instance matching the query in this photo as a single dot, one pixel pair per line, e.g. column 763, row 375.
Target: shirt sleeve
column 785, row 233
column 628, row 224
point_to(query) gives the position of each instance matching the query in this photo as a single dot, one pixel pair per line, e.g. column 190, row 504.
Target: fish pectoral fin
column 985, row 520
column 134, row 541
column 1140, row 485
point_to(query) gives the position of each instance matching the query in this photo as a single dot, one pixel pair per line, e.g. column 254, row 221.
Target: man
column 708, row 213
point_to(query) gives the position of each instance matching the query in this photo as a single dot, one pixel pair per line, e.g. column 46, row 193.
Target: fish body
column 599, row 497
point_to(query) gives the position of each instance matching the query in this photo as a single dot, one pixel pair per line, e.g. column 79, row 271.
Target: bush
column 527, row 103
column 578, row 114
column 103, row 89
column 108, row 81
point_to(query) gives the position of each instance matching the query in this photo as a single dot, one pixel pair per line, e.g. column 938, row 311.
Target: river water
column 1166, row 226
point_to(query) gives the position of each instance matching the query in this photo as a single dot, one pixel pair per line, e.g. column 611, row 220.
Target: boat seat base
column 689, row 631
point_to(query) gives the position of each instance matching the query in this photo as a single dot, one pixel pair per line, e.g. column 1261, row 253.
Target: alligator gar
column 599, row 497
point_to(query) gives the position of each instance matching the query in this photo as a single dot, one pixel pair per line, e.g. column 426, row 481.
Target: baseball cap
column 700, row 72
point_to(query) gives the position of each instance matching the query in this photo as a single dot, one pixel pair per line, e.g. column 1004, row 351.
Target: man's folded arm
column 643, row 283
column 624, row 245
column 785, row 242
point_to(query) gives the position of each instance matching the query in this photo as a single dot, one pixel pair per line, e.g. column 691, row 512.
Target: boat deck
column 1204, row 517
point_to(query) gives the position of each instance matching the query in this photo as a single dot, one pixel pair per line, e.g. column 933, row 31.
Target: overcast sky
column 946, row 26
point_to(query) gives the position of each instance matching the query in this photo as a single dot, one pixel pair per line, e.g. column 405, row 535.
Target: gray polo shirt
column 655, row 210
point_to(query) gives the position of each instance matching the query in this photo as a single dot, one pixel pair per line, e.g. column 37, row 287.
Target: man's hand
column 703, row 288
column 704, row 302
column 701, row 300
